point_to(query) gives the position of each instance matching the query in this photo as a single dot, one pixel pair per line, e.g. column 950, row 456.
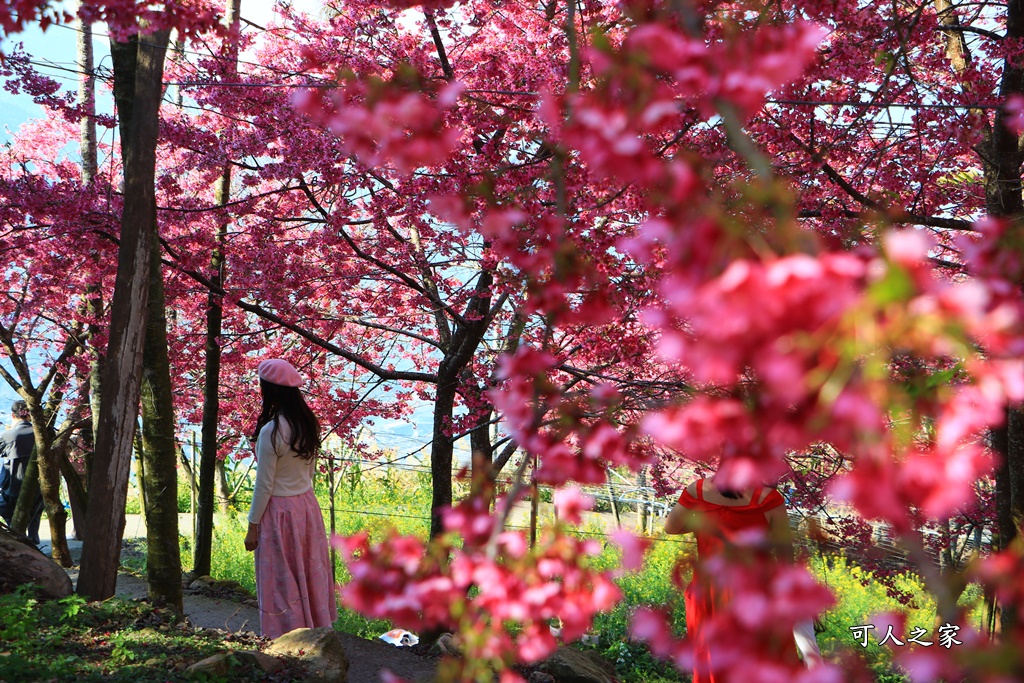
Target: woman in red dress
column 719, row 518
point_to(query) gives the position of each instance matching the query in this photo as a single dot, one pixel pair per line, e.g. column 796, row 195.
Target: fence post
column 615, row 504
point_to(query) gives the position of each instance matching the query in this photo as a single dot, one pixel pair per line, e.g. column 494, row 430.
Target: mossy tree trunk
column 159, row 485
column 1008, row 441
column 42, row 415
column 27, row 496
column 138, row 75
column 224, row 497
column 77, row 487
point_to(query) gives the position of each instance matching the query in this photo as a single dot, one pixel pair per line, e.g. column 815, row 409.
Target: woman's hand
column 251, row 537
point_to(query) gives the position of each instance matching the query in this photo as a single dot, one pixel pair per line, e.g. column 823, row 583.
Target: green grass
column 859, row 596
column 111, row 641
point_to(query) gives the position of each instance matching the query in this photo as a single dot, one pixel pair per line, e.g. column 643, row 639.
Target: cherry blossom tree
column 789, row 338
column 742, row 232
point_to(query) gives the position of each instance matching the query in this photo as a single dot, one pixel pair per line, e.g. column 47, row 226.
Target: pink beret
column 277, row 371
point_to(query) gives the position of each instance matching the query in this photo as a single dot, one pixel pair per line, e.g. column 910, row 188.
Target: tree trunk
column 93, row 294
column 86, row 101
column 1010, row 501
column 224, row 498
column 77, row 498
column 1015, row 473
column 211, row 386
column 459, row 351
column 49, row 473
column 138, row 74
column 28, row 496
column 42, row 414
column 211, row 404
column 184, row 464
column 483, row 456
column 56, row 515
column 140, row 465
column 1001, row 163
column 160, row 473
column 441, row 450
column 643, row 503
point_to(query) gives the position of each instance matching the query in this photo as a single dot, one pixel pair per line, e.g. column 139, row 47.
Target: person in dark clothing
column 16, row 446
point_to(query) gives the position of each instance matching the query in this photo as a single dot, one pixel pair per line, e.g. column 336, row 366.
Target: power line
column 202, row 84
column 812, row 103
column 883, row 105
column 203, row 55
column 518, row 93
column 578, row 532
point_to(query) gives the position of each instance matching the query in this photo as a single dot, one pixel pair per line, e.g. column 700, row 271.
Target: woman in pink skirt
column 286, row 529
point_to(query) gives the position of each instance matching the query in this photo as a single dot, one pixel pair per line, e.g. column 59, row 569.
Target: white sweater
column 279, row 471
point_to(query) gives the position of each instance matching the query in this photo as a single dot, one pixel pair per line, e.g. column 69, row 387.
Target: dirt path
column 367, row 658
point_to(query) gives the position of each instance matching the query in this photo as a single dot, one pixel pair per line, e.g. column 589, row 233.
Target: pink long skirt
column 293, row 567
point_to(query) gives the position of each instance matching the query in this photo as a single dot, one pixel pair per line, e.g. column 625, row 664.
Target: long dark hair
column 287, row 402
column 731, row 494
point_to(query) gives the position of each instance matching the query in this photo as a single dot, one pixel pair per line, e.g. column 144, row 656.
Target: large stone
column 261, row 661
column 220, row 665
column 568, row 665
column 317, row 650
column 447, row 644
column 225, row 585
column 216, row 666
column 21, row 563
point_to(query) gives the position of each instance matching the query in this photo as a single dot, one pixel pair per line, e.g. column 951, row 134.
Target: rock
column 187, row 578
column 317, row 650
column 447, row 644
column 212, row 667
column 540, row 677
column 21, row 563
column 568, row 665
column 226, row 585
column 220, row 665
column 203, row 582
column 259, row 660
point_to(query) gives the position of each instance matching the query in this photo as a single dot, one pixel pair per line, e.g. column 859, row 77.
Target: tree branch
column 405, row 279
column 903, row 218
column 442, row 55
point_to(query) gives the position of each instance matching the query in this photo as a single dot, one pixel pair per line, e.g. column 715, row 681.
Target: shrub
column 858, row 598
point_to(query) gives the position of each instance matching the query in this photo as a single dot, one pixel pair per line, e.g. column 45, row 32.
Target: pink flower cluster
column 762, row 335
column 737, row 71
column 380, row 122
column 578, row 450
column 612, row 140
column 772, row 318
column 125, row 17
column 424, row 4
column 487, row 581
column 15, row 14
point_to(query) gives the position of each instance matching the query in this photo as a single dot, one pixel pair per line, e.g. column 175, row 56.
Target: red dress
column 721, row 524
